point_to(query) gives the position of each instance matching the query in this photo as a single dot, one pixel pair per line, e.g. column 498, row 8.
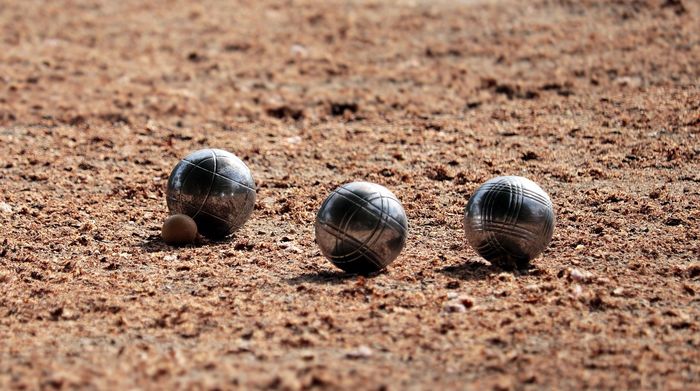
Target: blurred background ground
column 597, row 101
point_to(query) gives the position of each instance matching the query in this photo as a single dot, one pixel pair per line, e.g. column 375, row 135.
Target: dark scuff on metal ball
column 509, row 220
column 215, row 188
column 361, row 227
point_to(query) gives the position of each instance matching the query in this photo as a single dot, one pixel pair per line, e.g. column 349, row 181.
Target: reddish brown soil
column 597, row 101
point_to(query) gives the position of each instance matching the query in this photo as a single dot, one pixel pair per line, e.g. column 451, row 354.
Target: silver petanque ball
column 509, row 220
column 215, row 188
column 361, row 227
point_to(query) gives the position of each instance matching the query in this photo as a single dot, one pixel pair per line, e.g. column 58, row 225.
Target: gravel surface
column 596, row 101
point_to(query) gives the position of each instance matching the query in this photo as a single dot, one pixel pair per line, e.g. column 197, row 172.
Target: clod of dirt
column 244, row 246
column 56, row 313
column 285, row 112
column 689, row 290
column 508, row 90
column 339, row 109
column 466, row 301
column 439, row 173
column 195, row 57
column 530, row 155
column 115, row 118
column 673, row 222
column 693, row 270
column 676, row 5
column 452, row 285
column 237, row 47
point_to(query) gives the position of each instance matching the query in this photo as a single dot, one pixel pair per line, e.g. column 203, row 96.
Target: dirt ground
column 597, row 101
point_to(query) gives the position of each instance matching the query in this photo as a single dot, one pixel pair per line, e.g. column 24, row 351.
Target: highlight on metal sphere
column 215, row 188
column 509, row 220
column 361, row 227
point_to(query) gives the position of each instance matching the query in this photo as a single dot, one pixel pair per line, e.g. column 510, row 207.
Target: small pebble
column 298, row 50
column 580, row 276
column 293, row 249
column 455, row 307
column 308, row 355
column 294, row 140
column 5, row 208
column 576, row 275
column 506, row 277
column 361, row 352
column 179, row 229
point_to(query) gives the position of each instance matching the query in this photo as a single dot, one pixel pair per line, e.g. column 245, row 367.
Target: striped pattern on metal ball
column 509, row 220
column 361, row 227
column 215, row 188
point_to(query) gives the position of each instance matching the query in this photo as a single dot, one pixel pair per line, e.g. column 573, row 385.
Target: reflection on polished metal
column 215, row 188
column 361, row 227
column 509, row 220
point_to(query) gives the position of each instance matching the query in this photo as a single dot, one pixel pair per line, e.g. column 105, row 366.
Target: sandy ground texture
column 597, row 101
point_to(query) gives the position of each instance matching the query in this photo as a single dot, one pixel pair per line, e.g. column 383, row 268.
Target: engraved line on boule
column 206, row 213
column 342, row 231
column 491, row 248
column 382, row 223
column 211, row 185
column 520, row 200
column 384, row 220
column 390, row 195
column 487, row 250
column 219, row 175
column 238, row 163
column 513, row 210
column 370, row 205
column 487, row 209
column 344, row 227
column 365, row 203
column 549, row 225
column 502, row 187
column 372, row 237
column 510, row 208
column 513, row 230
column 491, row 238
column 239, row 216
column 184, row 180
column 339, row 235
column 507, row 225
